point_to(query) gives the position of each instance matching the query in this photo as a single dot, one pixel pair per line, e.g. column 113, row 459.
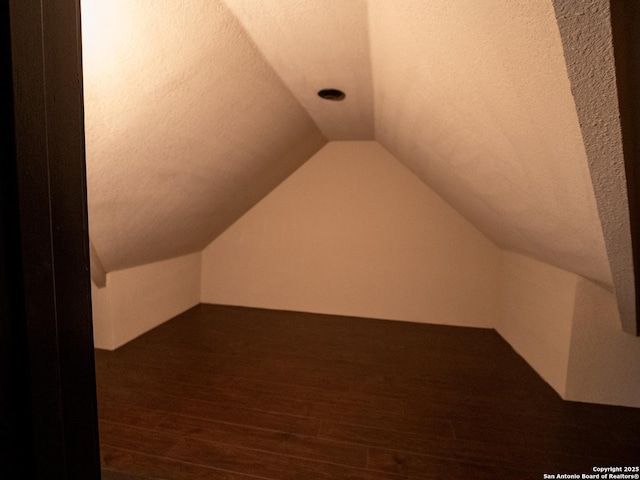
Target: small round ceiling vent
column 331, row 94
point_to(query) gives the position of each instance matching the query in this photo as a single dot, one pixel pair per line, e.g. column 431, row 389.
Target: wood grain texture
column 238, row 393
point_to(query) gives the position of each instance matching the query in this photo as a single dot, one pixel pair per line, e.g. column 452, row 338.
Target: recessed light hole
column 332, row 94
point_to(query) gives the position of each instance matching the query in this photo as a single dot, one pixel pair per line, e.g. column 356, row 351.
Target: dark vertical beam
column 16, row 447
column 54, row 250
column 625, row 26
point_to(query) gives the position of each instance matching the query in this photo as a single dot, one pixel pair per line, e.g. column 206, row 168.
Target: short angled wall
column 604, row 362
column 103, row 333
column 536, row 317
column 138, row 299
column 568, row 329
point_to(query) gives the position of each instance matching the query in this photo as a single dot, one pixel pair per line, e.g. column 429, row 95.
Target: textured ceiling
column 477, row 103
column 314, row 45
column 196, row 109
column 187, row 127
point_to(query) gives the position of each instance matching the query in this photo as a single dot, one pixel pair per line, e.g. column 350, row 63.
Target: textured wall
column 354, row 232
column 586, row 37
column 139, row 299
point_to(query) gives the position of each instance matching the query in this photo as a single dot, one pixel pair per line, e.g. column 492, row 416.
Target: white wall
column 604, row 362
column 536, row 315
column 354, row 232
column 137, row 299
column 103, row 333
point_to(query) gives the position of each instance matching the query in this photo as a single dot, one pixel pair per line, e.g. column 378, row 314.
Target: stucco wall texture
column 187, row 127
column 586, row 37
column 196, row 110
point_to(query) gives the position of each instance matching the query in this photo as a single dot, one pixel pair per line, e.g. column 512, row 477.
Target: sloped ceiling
column 196, row 109
column 187, row 127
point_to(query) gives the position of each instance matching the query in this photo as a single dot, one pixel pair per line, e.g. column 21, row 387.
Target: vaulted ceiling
column 196, row 109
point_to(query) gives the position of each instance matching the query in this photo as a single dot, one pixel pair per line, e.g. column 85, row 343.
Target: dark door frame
column 48, row 379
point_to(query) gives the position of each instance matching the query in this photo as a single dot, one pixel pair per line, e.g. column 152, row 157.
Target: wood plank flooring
column 238, row 393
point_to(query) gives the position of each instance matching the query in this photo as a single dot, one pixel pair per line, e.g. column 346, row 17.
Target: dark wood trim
column 625, row 23
column 50, row 250
column 16, row 446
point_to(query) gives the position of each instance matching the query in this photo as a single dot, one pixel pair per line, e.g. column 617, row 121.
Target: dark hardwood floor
column 237, row 393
